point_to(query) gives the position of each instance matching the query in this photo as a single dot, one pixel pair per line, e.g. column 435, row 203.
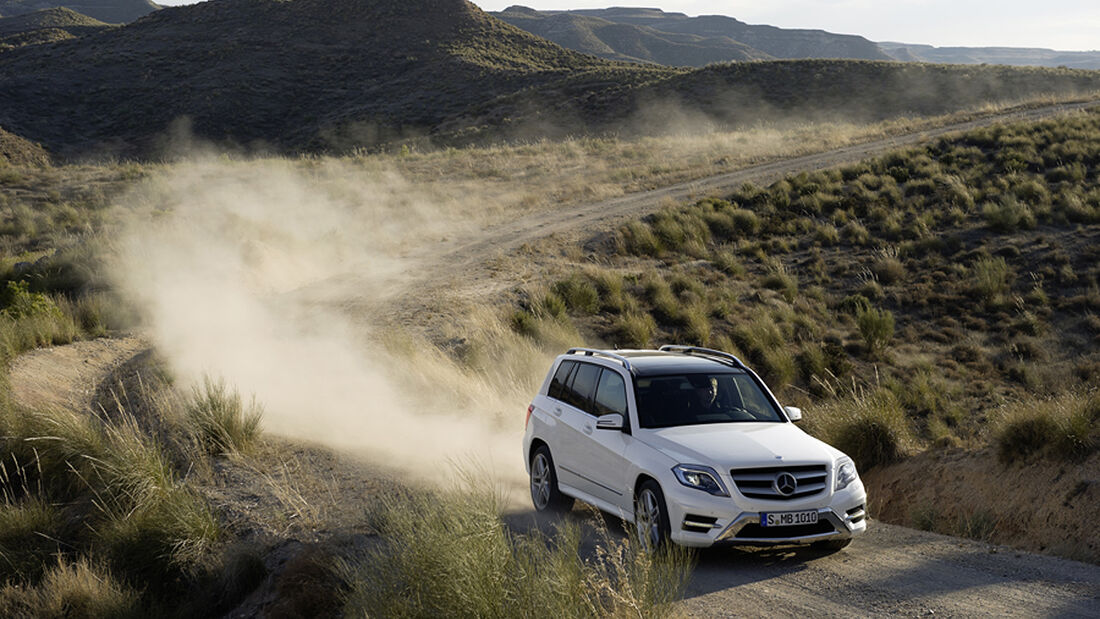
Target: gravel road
column 892, row 570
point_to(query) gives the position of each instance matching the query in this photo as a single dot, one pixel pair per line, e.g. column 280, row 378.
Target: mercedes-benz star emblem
column 785, row 484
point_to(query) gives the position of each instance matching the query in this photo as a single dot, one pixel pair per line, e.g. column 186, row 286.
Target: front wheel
column 832, row 545
column 544, row 484
column 651, row 515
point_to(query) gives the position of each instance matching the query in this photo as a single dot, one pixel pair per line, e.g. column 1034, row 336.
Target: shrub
column 634, row 330
column 1064, row 428
column 451, row 555
column 991, row 278
column 220, row 420
column 72, row 589
column 871, row 428
column 745, row 222
column 888, row 270
column 638, row 239
column 876, row 327
column 1008, row 215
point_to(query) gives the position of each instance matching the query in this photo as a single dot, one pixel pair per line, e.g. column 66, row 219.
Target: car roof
column 659, row 363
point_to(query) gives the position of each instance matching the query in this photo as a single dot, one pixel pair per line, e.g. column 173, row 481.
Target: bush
column 578, row 293
column 634, row 330
column 450, row 555
column 220, row 420
column 1008, row 215
column 876, row 327
column 871, row 428
column 72, row 589
column 1063, row 428
column 991, row 278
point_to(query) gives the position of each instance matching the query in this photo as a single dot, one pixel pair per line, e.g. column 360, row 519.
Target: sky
column 1057, row 24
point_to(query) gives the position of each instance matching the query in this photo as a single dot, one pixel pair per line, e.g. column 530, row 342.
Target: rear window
column 583, row 385
column 561, row 378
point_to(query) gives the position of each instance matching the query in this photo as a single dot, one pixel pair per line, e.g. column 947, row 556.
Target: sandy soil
column 891, row 570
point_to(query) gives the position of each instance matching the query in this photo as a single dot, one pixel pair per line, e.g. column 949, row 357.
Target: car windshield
column 692, row 399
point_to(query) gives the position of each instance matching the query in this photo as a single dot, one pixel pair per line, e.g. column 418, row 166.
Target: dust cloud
column 271, row 274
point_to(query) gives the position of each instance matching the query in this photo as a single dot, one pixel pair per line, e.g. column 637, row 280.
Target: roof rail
column 706, row 352
column 603, row 353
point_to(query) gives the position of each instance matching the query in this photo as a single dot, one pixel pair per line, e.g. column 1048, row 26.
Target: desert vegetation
column 909, row 300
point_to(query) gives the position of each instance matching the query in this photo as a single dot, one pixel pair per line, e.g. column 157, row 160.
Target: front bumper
column 700, row 520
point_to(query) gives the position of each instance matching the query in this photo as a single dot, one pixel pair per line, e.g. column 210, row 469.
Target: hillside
column 776, row 42
column 14, row 150
column 59, row 17
column 109, row 11
column 334, row 75
column 1024, row 56
column 619, row 41
column 308, row 74
column 46, row 26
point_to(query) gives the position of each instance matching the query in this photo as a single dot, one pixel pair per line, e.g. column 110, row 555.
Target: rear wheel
column 651, row 515
column 544, row 484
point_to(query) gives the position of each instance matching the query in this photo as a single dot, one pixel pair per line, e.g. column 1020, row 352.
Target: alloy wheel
column 540, row 482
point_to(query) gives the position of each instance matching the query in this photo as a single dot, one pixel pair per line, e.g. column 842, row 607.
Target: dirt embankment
column 1042, row 506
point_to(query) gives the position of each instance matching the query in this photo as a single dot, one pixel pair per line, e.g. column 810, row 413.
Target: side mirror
column 612, row 421
column 793, row 413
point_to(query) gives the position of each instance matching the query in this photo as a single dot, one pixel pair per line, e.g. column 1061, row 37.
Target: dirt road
column 892, row 571
column 467, row 269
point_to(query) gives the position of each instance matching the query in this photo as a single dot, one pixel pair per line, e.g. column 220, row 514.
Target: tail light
column 526, row 419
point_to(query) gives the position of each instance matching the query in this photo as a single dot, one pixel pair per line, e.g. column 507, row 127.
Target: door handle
column 588, row 428
column 557, row 411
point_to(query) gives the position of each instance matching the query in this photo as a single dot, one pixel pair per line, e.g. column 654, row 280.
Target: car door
column 574, row 432
column 603, row 460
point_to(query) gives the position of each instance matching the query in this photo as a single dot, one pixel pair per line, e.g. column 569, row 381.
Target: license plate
column 788, row 519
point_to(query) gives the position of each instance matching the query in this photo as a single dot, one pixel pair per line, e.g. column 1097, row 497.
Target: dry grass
column 450, row 554
column 543, row 174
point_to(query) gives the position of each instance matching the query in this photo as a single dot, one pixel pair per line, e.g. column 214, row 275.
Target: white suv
column 690, row 445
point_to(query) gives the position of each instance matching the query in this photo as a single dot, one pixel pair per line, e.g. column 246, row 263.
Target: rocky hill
column 619, row 41
column 772, row 41
column 1021, row 56
column 46, row 26
column 109, row 11
column 14, row 150
column 308, row 74
column 331, row 75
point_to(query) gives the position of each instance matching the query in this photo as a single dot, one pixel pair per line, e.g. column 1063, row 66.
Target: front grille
column 760, row 483
column 755, row 531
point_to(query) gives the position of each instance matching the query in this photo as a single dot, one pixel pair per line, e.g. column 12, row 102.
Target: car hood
column 734, row 445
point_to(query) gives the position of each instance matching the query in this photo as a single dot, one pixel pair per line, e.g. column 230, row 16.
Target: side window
column 610, row 394
column 561, row 378
column 580, row 390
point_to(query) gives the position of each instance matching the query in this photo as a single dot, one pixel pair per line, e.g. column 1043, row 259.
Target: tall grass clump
column 871, row 427
column 117, row 482
column 451, row 555
column 991, row 278
column 876, row 327
column 219, row 418
column 30, row 320
column 80, row 588
column 1061, row 428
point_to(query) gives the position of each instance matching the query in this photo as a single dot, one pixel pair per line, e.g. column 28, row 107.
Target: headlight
column 845, row 473
column 701, row 478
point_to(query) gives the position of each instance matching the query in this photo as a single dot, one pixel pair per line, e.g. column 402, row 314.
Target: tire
column 651, row 515
column 832, row 545
column 544, row 484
